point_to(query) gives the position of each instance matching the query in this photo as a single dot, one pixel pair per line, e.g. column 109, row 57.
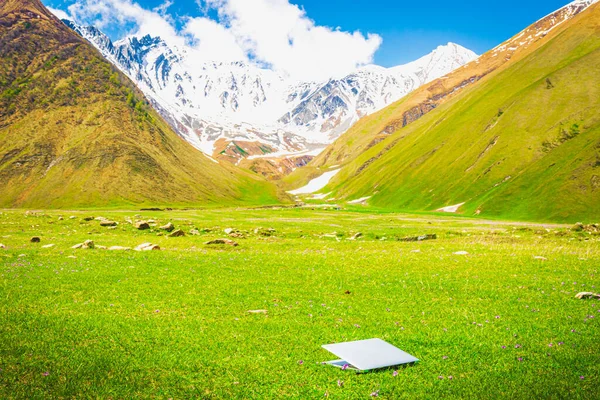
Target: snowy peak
column 211, row 104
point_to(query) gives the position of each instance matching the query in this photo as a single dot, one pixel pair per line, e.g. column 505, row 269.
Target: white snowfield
column 316, row 184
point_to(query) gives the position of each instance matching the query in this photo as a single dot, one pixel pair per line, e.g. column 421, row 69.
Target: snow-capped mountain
column 215, row 104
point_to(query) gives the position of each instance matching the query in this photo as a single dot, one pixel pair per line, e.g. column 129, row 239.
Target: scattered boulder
column 100, row 247
column 229, row 231
column 88, row 219
column 168, row 227
column 147, row 247
column 48, row 246
column 418, row 238
column 357, row 235
column 194, row 232
column 578, row 227
column 264, row 231
column 72, row 217
column 88, row 244
column 35, row 239
column 106, row 222
column 2, row 246
column 60, row 218
column 100, row 219
column 257, row 311
column 591, row 228
column 142, row 225
column 119, row 248
column 587, row 296
column 177, row 233
column 222, row 241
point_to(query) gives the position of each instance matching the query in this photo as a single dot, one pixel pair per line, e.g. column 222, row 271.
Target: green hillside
column 523, row 142
column 74, row 132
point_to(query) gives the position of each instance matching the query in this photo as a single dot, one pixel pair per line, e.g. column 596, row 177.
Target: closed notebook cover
column 370, row 354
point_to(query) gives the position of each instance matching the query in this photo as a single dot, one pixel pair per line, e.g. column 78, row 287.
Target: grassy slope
column 544, row 163
column 91, row 323
column 74, row 132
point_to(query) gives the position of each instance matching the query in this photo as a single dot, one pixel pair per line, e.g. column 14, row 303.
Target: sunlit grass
column 174, row 323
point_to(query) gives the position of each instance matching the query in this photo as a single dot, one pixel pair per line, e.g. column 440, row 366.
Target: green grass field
column 495, row 323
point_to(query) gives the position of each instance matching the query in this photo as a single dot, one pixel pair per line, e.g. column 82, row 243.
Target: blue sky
column 408, row 29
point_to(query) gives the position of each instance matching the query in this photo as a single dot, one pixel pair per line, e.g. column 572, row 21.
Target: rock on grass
column 222, row 241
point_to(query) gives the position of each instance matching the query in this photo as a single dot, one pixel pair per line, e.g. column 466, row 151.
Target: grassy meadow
column 499, row 322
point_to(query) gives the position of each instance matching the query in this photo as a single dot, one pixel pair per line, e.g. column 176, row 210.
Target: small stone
column 257, row 311
column 108, row 223
column 35, row 239
column 88, row 244
column 142, row 225
column 587, row 296
column 100, row 247
column 222, row 241
column 578, row 227
column 72, row 217
column 229, row 231
column 100, row 219
column 540, row 258
column 461, row 253
column 48, row 246
column 147, row 247
column 60, row 218
column 119, row 248
column 88, row 219
column 77, row 246
column 194, row 232
column 177, row 233
column 22, row 255
column 168, row 227
column 71, row 257
column 355, row 236
column 2, row 246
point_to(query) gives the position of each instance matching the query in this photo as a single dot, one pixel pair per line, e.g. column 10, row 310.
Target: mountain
column 514, row 134
column 235, row 110
column 75, row 132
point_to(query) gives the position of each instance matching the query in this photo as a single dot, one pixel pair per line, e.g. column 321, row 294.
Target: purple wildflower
column 503, row 347
column 450, row 377
column 517, row 346
column 441, row 377
column 520, row 359
column 445, row 358
column 375, row 393
column 340, row 383
column 549, row 344
column 395, row 373
column 356, row 325
column 497, row 317
column 561, row 343
column 582, row 377
column 46, row 373
column 345, row 367
column 156, row 311
column 300, row 362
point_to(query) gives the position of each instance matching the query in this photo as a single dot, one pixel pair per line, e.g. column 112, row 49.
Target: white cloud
column 270, row 32
column 281, row 34
column 60, row 14
column 213, row 41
